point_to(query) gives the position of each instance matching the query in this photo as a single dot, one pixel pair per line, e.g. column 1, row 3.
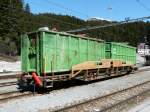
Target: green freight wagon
column 49, row 56
column 121, row 51
column 49, row 52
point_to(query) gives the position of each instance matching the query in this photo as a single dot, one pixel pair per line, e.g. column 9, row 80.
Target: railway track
column 8, row 84
column 9, row 76
column 107, row 102
column 13, row 95
column 122, row 105
column 17, row 94
column 9, row 79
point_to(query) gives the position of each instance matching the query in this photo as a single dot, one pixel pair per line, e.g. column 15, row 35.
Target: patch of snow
column 98, row 18
column 43, row 29
column 140, row 61
column 10, row 66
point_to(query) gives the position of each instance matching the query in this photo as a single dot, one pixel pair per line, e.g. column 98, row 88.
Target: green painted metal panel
column 121, row 51
column 83, row 50
column 48, row 51
column 30, row 57
column 62, row 51
column 24, row 51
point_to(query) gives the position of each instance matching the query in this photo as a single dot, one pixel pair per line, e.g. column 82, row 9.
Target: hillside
column 17, row 19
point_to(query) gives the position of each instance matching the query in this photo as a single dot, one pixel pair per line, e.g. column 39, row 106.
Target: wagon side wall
column 61, row 51
column 121, row 51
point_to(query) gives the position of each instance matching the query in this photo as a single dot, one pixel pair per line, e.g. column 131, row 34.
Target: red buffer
column 37, row 80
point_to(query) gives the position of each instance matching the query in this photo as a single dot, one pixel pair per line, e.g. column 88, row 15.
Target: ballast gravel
column 10, row 73
column 143, row 107
column 65, row 97
column 7, row 89
column 8, row 80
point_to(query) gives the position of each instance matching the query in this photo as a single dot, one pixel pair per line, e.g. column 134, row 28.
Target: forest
column 16, row 19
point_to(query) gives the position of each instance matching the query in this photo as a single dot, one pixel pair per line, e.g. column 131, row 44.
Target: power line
column 143, row 5
column 66, row 8
column 108, row 25
column 52, row 18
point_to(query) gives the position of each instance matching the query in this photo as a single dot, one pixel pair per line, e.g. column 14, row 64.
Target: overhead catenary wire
column 59, row 20
column 143, row 5
column 86, row 28
column 66, row 8
column 108, row 25
column 52, row 18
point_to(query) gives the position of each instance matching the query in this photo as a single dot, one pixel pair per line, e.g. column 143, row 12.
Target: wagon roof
column 67, row 34
column 122, row 44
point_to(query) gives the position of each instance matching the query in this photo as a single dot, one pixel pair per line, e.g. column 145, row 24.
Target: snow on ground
column 64, row 97
column 10, row 66
column 143, row 107
column 140, row 61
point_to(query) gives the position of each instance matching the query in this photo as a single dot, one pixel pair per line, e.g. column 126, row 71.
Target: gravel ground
column 8, row 80
column 64, row 97
column 8, row 89
column 132, row 101
column 142, row 107
column 145, row 67
column 10, row 73
column 118, row 102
